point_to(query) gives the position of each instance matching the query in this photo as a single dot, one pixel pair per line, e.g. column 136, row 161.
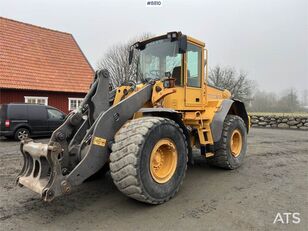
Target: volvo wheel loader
column 144, row 130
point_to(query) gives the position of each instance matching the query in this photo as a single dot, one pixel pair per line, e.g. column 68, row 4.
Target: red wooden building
column 40, row 65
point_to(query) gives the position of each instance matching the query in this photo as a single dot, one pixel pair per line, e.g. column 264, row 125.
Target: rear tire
column 21, row 133
column 231, row 149
column 133, row 168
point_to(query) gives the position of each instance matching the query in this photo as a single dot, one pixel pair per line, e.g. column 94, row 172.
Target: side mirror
column 182, row 44
column 131, row 55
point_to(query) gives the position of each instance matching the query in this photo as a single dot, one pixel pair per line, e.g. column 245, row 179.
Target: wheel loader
column 145, row 130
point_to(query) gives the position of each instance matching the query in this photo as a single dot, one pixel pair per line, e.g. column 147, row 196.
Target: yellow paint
column 99, row 141
column 120, row 94
column 209, row 154
column 137, row 115
column 196, row 41
column 163, row 160
column 236, row 143
column 125, row 91
column 197, row 105
column 163, row 92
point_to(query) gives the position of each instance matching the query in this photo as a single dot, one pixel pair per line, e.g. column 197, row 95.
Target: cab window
column 194, row 62
column 160, row 59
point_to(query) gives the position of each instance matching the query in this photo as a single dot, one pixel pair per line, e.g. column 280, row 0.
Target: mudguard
column 228, row 106
column 173, row 115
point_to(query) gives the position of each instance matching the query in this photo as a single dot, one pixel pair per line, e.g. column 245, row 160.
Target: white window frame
column 78, row 102
column 36, row 99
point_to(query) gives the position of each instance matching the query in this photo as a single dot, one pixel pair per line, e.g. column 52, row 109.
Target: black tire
column 130, row 159
column 223, row 156
column 21, row 133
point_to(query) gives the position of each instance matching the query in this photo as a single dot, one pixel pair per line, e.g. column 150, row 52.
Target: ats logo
column 287, row 218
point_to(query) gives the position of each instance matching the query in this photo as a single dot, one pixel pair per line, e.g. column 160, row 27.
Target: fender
column 228, row 106
column 175, row 116
column 238, row 108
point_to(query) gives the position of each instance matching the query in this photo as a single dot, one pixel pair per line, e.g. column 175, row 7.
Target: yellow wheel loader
column 144, row 130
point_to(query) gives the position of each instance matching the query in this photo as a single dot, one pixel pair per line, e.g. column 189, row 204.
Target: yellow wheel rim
column 236, row 143
column 163, row 160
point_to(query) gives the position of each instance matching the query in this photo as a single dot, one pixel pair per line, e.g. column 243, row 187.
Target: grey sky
column 266, row 38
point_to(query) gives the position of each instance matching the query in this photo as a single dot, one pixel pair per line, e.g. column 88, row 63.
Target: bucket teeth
column 41, row 168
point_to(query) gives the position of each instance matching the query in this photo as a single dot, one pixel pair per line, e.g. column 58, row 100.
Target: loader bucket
column 41, row 168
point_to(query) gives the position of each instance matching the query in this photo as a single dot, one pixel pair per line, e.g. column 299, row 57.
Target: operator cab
column 173, row 56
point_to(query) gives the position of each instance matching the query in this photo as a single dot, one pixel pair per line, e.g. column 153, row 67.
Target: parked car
column 20, row 120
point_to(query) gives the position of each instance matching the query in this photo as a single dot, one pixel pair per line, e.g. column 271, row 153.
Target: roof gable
column 37, row 58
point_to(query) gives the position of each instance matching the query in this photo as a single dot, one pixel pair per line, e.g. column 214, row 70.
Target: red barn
column 40, row 65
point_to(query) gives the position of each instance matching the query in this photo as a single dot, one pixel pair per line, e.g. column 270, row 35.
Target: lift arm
column 80, row 147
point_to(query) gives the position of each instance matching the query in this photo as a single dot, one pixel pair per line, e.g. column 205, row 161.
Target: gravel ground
column 272, row 179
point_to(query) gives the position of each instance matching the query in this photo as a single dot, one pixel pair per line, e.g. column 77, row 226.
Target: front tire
column 149, row 159
column 231, row 149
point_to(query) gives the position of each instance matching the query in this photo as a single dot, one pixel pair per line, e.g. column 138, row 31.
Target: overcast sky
column 266, row 38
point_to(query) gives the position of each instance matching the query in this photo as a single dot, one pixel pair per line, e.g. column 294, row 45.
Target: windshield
column 160, row 59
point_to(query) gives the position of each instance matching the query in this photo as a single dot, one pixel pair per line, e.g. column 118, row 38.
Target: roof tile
column 37, row 58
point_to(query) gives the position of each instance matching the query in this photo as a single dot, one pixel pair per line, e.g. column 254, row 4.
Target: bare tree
column 285, row 101
column 289, row 101
column 264, row 102
column 236, row 82
column 116, row 61
column 304, row 100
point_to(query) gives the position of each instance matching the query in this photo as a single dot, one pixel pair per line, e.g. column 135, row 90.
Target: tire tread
column 126, row 153
column 220, row 158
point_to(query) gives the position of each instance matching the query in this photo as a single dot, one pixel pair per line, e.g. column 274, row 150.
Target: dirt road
column 274, row 178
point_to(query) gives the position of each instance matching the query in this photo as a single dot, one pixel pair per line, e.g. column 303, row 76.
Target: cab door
column 193, row 75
